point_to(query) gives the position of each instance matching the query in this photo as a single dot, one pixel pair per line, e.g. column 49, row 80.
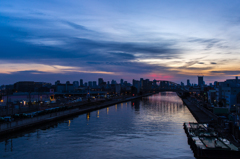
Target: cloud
column 76, row 26
column 94, row 55
column 29, row 72
column 209, row 43
column 213, row 63
column 96, row 44
column 226, row 72
column 196, row 68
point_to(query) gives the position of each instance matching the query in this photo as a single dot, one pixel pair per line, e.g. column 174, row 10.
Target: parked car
column 8, row 118
column 16, row 116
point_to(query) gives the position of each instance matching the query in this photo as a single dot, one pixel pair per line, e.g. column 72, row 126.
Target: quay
column 201, row 114
column 21, row 124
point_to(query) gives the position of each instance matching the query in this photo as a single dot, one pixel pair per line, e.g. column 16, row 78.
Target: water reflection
column 88, row 116
column 98, row 114
column 136, row 104
column 69, row 123
column 146, row 128
column 8, row 145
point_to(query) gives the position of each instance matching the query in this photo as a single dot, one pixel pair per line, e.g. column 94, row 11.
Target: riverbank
column 14, row 126
column 201, row 115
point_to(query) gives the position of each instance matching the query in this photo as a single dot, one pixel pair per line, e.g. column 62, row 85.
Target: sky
column 173, row 40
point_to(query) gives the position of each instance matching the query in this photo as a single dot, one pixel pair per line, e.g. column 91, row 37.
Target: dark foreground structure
column 206, row 143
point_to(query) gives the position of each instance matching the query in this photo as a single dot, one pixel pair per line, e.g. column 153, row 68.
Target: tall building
column 188, row 83
column 90, row 84
column 182, row 84
column 57, row 82
column 200, row 81
column 94, row 84
column 141, row 79
column 75, row 84
column 81, row 82
column 136, row 84
column 113, row 82
column 100, row 81
column 121, row 81
column 68, row 82
column 118, row 88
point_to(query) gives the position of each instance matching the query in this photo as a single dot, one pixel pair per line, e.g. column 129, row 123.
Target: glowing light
column 98, row 114
column 88, row 116
column 1, row 100
column 107, row 110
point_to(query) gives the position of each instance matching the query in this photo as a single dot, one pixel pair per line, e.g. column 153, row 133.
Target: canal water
column 146, row 128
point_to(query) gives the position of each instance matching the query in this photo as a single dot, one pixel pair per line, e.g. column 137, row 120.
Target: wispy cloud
column 108, row 39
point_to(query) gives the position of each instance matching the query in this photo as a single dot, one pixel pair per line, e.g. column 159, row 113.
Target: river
column 146, row 128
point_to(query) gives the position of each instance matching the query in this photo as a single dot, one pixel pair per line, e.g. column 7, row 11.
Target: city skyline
column 163, row 40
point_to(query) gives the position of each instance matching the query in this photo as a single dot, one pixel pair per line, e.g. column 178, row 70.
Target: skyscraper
column 200, row 81
column 188, row 83
column 113, row 82
column 100, row 81
column 81, row 82
column 121, row 81
column 90, row 84
column 94, row 84
column 75, row 84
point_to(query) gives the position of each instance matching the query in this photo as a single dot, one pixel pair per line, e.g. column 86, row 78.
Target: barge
column 206, row 143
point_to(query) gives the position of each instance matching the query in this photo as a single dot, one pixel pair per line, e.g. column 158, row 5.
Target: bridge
column 163, row 85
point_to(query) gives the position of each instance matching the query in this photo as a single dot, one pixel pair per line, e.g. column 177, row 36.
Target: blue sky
column 51, row 40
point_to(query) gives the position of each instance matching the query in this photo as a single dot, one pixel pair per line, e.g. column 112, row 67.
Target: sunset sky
column 174, row 40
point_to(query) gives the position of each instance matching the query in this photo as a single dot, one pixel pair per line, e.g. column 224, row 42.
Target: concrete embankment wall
column 7, row 127
column 201, row 114
column 19, row 124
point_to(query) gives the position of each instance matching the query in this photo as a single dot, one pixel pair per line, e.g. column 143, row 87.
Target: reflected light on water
column 98, row 114
column 88, row 116
column 150, row 127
